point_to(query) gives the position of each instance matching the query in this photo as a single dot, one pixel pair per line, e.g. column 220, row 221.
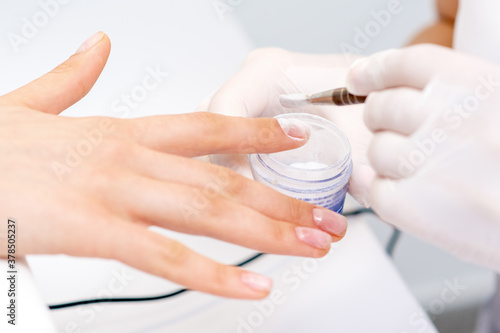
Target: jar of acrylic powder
column 317, row 172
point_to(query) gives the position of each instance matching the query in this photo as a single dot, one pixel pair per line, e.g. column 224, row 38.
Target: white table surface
column 31, row 313
column 355, row 290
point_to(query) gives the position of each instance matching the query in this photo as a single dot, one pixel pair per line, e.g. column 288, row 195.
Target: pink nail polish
column 329, row 221
column 256, row 282
column 314, row 238
column 91, row 41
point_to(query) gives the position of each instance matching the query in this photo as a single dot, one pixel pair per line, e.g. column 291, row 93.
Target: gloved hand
column 270, row 72
column 436, row 150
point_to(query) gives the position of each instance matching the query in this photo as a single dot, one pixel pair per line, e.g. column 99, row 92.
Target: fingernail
column 330, row 222
column 314, row 238
column 295, row 129
column 356, row 71
column 257, row 282
column 91, row 41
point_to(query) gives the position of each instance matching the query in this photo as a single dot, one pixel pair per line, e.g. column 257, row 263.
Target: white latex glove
column 436, row 149
column 270, row 72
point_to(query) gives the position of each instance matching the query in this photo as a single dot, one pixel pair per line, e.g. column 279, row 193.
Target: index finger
column 410, row 67
column 202, row 133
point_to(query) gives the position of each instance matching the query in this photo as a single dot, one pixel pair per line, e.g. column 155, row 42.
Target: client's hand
column 92, row 186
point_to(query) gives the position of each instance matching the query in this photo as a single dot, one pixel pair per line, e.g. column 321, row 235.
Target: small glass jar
column 317, row 172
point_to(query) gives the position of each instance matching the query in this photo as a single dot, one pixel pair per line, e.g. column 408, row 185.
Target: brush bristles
column 294, row 101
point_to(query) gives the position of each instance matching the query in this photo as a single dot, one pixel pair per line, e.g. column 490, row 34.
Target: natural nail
column 295, row 129
column 315, row 238
column 329, row 221
column 257, row 282
column 91, row 41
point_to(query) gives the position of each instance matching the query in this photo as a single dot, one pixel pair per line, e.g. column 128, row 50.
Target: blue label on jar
column 337, row 209
column 333, row 202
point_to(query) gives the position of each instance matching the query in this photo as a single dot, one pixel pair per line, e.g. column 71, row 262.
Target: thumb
column 67, row 83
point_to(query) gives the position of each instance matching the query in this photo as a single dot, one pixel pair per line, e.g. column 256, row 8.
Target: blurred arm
column 441, row 32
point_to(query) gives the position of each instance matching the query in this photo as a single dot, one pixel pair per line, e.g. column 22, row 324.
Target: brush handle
column 339, row 96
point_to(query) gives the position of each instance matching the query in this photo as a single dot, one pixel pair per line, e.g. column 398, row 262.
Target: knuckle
column 221, row 275
column 205, row 117
column 217, row 206
column 211, row 206
column 278, row 232
column 173, row 252
column 115, row 149
column 209, row 122
column 298, row 210
column 236, row 184
column 64, row 67
column 81, row 84
column 120, row 127
column 135, row 129
column 212, row 127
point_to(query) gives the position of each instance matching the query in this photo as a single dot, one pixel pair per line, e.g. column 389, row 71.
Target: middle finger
column 210, row 178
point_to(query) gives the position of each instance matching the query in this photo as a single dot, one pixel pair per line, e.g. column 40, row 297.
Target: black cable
column 115, row 300
column 359, row 212
column 172, row 294
column 395, row 236
column 391, row 244
column 137, row 299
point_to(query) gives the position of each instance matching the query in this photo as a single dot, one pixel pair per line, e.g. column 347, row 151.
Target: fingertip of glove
column 354, row 77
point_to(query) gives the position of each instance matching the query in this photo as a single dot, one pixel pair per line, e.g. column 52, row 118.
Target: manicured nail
column 295, row 129
column 91, row 41
column 314, row 238
column 257, row 282
column 329, row 221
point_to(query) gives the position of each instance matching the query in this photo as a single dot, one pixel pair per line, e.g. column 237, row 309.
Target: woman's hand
column 267, row 73
column 92, row 186
column 436, row 149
